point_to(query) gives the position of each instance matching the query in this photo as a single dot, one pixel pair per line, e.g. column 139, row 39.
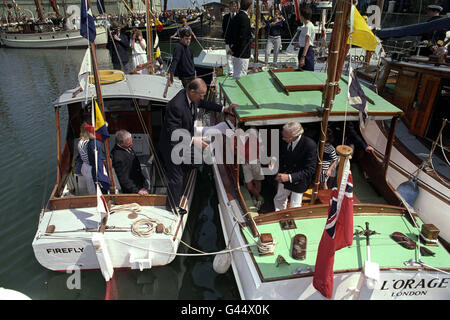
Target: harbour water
column 30, row 80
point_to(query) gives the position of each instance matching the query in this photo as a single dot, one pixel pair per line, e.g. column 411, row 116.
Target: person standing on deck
column 181, row 112
column 138, row 51
column 185, row 26
column 226, row 33
column 297, row 165
column 306, row 41
column 274, row 28
column 241, row 36
column 432, row 37
column 183, row 60
column 118, row 48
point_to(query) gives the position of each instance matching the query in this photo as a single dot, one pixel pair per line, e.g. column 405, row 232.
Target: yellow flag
column 362, row 36
column 99, row 121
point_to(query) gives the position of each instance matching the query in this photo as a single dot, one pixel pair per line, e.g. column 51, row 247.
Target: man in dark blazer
column 181, row 113
column 127, row 166
column 118, row 48
column 182, row 64
column 226, row 32
column 298, row 159
column 241, row 36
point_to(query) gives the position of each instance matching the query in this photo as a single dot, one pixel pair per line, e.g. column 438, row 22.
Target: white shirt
column 307, row 30
column 293, row 144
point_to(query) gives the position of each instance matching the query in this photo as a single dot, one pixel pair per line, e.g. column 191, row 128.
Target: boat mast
column 148, row 5
column 258, row 14
column 336, row 55
column 39, row 10
column 55, row 7
column 100, row 103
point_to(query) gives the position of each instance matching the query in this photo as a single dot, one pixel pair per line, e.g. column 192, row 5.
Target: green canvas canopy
column 276, row 97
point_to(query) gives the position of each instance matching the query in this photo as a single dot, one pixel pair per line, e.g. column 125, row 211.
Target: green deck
column 384, row 251
column 259, row 95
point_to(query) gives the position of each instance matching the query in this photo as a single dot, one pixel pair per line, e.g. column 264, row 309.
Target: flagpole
column 100, row 103
column 337, row 44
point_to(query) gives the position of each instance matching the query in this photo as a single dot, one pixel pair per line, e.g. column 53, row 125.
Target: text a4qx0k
column 229, row 309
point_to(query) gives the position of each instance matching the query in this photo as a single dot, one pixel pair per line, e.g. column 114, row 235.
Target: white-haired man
column 298, row 159
column 127, row 165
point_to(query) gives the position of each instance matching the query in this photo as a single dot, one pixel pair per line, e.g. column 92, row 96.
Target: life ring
column 108, row 76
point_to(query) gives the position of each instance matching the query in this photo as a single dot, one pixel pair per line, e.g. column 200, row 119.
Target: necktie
column 193, row 109
column 290, row 147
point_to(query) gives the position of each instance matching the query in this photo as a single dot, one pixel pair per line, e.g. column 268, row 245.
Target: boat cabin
column 421, row 89
column 130, row 104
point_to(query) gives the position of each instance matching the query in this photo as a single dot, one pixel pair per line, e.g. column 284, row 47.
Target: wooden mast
column 100, row 104
column 39, row 10
column 148, row 4
column 55, row 7
column 258, row 14
column 335, row 53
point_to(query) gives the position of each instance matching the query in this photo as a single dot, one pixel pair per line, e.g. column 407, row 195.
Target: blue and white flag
column 87, row 22
column 101, row 6
column 357, row 98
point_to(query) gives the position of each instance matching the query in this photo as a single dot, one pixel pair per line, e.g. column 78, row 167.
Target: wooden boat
column 421, row 90
column 267, row 100
column 132, row 237
column 43, row 34
column 51, row 39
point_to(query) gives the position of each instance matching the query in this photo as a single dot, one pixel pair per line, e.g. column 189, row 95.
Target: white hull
column 432, row 204
column 61, row 251
column 348, row 285
column 59, row 39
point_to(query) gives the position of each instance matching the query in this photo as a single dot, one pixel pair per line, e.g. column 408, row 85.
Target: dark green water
column 30, row 80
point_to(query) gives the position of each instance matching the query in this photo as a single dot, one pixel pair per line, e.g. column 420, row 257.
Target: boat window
column 391, row 81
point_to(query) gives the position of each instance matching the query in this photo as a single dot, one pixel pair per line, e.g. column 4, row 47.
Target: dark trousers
column 309, row 58
column 185, row 80
column 117, row 66
column 175, row 175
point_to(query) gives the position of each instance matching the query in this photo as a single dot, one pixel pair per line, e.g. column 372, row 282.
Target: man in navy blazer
column 118, row 48
column 298, row 159
column 241, row 35
column 181, row 113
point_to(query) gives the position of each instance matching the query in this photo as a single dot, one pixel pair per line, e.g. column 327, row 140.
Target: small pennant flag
column 356, row 98
column 159, row 25
column 87, row 22
column 100, row 123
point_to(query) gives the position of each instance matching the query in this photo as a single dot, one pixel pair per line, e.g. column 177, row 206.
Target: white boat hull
column 432, row 202
column 69, row 246
column 393, row 284
column 59, row 39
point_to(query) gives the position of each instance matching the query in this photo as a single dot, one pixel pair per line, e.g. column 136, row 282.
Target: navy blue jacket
column 182, row 61
column 241, row 35
column 122, row 49
column 300, row 164
column 128, row 170
column 179, row 116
